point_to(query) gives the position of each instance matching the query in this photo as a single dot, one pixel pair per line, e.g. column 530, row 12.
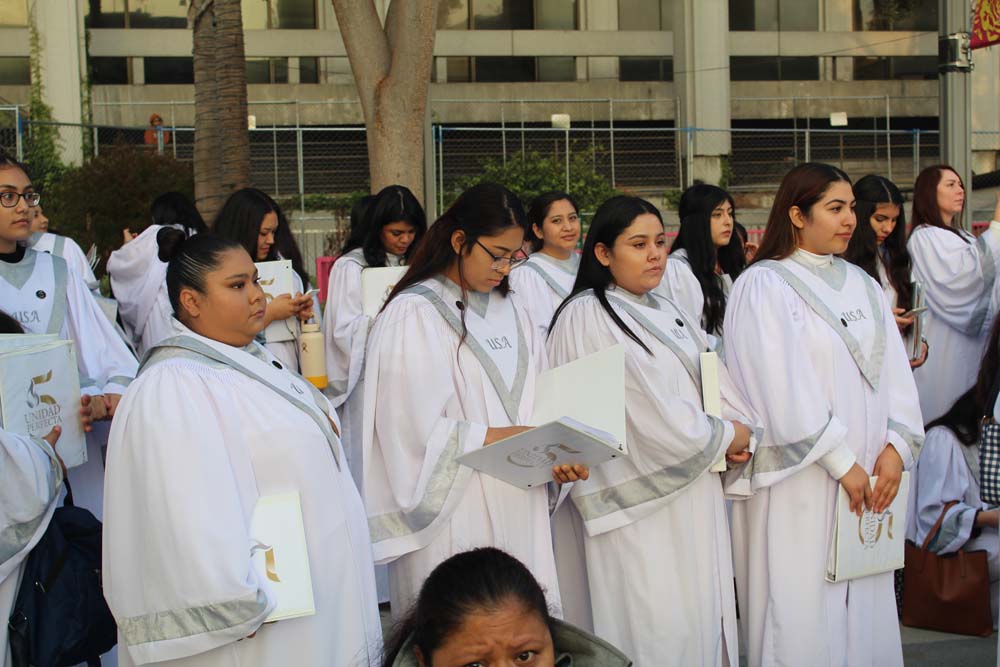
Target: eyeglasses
column 499, row 263
column 9, row 199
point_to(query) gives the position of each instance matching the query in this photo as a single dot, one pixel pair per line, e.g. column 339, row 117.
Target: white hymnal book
column 871, row 544
column 711, row 396
column 376, row 284
column 280, row 556
column 276, row 279
column 40, row 389
column 576, row 424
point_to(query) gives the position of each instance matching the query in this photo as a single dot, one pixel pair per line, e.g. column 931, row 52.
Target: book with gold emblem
column 376, row 284
column 276, row 279
column 869, row 544
column 280, row 556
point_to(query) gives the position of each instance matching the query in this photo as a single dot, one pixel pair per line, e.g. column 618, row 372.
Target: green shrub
column 672, row 198
column 93, row 203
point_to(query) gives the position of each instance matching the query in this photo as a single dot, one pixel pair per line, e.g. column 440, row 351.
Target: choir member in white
column 252, row 218
column 657, row 517
column 138, row 274
column 39, row 291
column 541, row 283
column 42, row 240
column 393, row 222
column 213, row 423
column 704, row 259
column 31, row 476
column 812, row 343
column 958, row 273
column 879, row 247
column 451, row 367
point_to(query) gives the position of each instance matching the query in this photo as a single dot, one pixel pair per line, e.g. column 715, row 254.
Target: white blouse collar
column 812, row 259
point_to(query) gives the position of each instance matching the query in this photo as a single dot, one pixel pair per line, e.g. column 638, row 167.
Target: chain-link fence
column 10, row 137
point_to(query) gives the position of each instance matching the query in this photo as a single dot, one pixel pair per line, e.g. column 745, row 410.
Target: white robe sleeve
column 905, row 428
column 30, row 478
column 106, row 365
column 137, row 280
column 958, row 276
column 77, row 261
column 412, row 430
column 769, row 364
column 671, row 441
column 345, row 329
column 178, row 571
column 942, row 476
column 680, row 286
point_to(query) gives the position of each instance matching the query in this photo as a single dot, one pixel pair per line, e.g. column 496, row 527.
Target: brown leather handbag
column 947, row 593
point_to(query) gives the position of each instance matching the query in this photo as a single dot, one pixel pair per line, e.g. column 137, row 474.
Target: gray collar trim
column 511, row 398
column 833, row 275
column 570, row 266
column 549, row 280
column 658, row 333
column 189, row 347
column 19, row 274
column 870, row 367
column 357, row 256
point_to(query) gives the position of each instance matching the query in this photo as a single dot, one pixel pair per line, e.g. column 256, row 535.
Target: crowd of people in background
column 829, row 376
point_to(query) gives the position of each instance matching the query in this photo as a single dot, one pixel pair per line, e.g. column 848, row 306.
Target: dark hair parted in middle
column 394, row 203
column 925, row 198
column 695, row 238
column 539, row 210
column 864, row 249
column 240, row 219
column 471, row 582
column 189, row 259
column 174, row 209
column 486, row 209
column 611, row 220
column 802, row 187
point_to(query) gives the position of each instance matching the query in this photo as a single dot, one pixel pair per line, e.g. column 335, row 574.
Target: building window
column 890, row 68
column 773, row 15
column 105, row 14
column 895, row 14
column 157, row 13
column 279, row 14
column 308, row 70
column 645, row 15
column 168, row 70
column 14, row 12
column 15, row 71
column 108, row 71
column 508, row 15
column 267, row 70
column 773, row 68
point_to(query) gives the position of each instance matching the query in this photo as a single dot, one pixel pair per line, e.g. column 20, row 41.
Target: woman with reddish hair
column 957, row 272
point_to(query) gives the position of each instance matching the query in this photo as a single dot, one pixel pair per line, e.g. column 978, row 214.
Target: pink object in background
column 323, row 265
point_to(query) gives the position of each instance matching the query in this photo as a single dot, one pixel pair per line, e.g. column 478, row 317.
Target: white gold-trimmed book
column 280, row 555
column 276, row 279
column 376, row 284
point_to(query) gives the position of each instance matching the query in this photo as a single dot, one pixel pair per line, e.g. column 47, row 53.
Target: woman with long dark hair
column 812, row 343
column 879, row 247
column 393, row 221
column 541, row 284
column 705, row 257
column 636, row 509
column 138, row 273
column 251, row 218
column 213, row 429
column 958, row 273
column 451, row 368
column 948, row 470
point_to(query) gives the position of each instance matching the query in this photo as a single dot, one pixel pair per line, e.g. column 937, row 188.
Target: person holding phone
column 879, row 247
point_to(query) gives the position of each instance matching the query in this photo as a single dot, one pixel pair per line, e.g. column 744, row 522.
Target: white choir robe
column 958, row 274
column 105, row 363
column 345, row 329
column 658, row 554
column 30, row 479
column 287, row 351
column 540, row 285
column 680, row 285
column 812, row 344
column 196, row 442
column 68, row 249
column 139, row 283
column 428, row 400
column 947, row 470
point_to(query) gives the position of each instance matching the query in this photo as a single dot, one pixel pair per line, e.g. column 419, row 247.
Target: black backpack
column 60, row 617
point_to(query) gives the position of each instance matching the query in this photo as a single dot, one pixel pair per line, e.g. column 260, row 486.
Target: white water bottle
column 312, row 355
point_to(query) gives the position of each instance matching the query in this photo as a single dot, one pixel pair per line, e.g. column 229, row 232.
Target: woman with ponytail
column 636, row 509
column 451, row 368
column 182, row 574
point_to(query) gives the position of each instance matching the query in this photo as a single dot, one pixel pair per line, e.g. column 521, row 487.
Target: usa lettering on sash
column 499, row 343
column 854, row 315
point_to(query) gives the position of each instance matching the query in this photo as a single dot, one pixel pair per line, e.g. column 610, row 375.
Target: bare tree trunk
column 392, row 70
column 221, row 140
